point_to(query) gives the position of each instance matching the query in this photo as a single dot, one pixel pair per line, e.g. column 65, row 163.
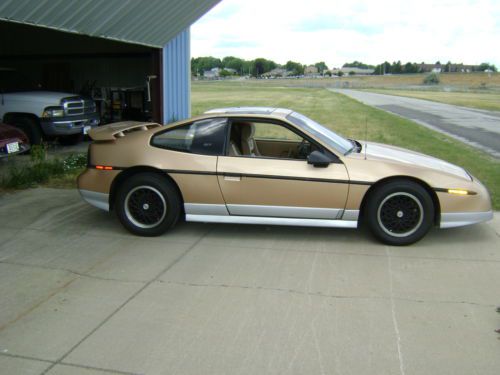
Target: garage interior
column 131, row 57
column 124, row 79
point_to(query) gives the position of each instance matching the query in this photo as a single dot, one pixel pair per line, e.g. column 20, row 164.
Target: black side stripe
column 440, row 190
column 272, row 177
column 178, row 171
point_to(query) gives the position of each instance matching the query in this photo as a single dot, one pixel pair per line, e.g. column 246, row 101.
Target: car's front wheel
column 399, row 212
column 148, row 204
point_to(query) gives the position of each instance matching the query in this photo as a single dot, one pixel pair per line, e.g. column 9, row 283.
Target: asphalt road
column 80, row 295
column 475, row 127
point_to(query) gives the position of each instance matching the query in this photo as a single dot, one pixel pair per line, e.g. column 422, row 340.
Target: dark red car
column 12, row 141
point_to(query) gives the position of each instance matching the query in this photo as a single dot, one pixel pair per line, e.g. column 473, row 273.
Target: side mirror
column 319, row 160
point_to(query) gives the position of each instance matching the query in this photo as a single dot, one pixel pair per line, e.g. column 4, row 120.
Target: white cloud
column 336, row 32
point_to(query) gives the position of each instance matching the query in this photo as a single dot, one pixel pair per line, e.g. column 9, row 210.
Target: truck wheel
column 30, row 127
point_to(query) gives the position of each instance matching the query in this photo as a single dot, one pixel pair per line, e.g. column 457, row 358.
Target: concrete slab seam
column 319, row 294
column 79, row 274
column 366, row 255
column 28, row 358
column 171, row 264
column 393, row 313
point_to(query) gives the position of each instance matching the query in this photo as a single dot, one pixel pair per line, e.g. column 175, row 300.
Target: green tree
column 225, row 73
column 358, row 64
column 231, row 62
column 410, row 68
column 384, row 68
column 248, row 68
column 396, row 67
column 201, row 64
column 487, row 66
column 295, row 68
column 321, row 66
column 263, row 66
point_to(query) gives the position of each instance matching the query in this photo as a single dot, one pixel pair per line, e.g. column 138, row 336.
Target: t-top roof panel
column 151, row 23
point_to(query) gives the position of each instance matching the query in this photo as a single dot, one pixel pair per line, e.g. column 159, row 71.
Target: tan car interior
column 243, row 143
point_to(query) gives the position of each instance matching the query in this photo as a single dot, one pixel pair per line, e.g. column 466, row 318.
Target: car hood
column 51, row 97
column 377, row 151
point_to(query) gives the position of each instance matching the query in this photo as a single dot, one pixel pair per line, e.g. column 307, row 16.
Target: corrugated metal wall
column 152, row 22
column 177, row 78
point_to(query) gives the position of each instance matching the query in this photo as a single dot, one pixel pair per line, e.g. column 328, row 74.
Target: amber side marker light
column 104, row 167
column 460, row 192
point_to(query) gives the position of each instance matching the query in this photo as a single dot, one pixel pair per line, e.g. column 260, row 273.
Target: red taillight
column 104, row 167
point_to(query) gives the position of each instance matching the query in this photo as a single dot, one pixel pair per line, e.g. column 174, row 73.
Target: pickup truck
column 44, row 114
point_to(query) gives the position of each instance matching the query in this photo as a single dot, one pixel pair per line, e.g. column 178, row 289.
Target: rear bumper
column 99, row 200
column 459, row 219
column 23, row 147
column 69, row 125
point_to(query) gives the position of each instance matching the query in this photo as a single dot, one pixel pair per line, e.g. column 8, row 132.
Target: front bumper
column 460, row 219
column 69, row 125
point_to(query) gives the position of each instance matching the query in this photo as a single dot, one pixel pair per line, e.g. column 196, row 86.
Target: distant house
column 447, row 68
column 357, row 71
column 311, row 71
column 276, row 73
column 213, row 73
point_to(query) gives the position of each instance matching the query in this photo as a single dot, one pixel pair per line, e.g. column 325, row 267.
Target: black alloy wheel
column 148, row 204
column 399, row 212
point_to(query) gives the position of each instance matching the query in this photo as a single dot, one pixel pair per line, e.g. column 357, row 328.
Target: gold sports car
column 272, row 166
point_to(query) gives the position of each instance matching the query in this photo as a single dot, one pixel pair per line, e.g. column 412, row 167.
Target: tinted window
column 201, row 137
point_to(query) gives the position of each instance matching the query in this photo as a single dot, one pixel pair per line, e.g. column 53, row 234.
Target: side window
column 256, row 138
column 274, row 132
column 205, row 137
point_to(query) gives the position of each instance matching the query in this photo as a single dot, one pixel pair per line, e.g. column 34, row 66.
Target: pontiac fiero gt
column 272, row 166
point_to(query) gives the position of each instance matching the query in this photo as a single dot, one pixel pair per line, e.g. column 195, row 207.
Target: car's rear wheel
column 148, row 204
column 399, row 212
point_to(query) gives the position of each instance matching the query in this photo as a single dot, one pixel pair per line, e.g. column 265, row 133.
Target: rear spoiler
column 119, row 129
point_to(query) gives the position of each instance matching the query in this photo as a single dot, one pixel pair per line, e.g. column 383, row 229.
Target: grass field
column 449, row 82
column 488, row 101
column 348, row 117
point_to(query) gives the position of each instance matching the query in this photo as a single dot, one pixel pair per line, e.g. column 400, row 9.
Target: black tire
column 70, row 140
column 399, row 212
column 30, row 127
column 148, row 204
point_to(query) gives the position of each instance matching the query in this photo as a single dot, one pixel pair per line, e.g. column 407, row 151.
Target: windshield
column 331, row 138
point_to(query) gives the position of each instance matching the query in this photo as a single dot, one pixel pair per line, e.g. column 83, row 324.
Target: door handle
column 232, row 178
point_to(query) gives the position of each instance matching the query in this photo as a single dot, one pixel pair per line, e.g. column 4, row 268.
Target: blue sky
column 333, row 31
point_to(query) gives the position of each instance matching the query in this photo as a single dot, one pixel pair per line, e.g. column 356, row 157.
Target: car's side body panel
column 279, row 182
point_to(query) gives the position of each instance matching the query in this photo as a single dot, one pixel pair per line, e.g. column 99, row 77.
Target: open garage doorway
column 122, row 78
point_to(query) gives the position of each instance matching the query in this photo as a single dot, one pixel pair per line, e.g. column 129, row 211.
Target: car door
column 277, row 185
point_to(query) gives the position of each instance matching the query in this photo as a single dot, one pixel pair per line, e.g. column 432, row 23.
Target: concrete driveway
column 475, row 127
column 79, row 295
